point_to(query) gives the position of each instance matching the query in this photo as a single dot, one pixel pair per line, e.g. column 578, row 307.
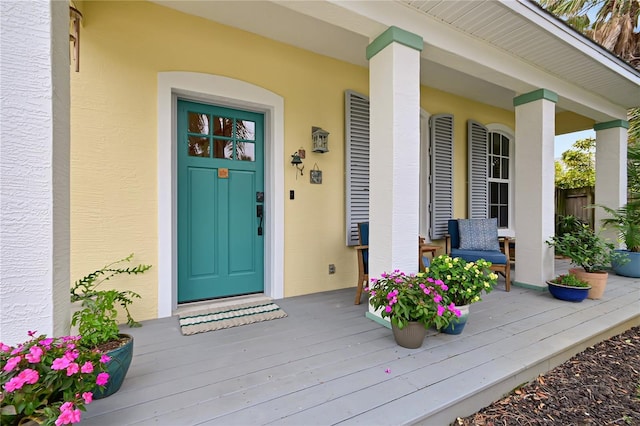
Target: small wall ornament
column 320, row 140
column 315, row 175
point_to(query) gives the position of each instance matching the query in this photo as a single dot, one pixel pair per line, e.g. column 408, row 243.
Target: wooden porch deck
column 326, row 363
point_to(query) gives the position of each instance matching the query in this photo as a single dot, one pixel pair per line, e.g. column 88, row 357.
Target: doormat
column 216, row 318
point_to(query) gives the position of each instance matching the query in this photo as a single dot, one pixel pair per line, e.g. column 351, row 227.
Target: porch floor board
column 325, row 363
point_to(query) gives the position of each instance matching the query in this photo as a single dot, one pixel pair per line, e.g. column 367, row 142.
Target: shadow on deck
column 326, row 363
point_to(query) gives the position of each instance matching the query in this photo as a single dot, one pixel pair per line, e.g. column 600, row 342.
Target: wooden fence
column 573, row 202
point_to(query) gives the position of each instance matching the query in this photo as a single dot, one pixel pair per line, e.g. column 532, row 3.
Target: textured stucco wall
column 34, row 169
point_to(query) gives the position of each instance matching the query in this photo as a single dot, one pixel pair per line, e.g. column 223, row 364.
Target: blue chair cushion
column 496, row 257
column 478, row 234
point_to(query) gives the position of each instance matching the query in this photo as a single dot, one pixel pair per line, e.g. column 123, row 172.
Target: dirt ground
column 600, row 386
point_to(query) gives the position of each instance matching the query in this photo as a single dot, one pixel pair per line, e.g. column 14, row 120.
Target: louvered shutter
column 441, row 179
column 357, row 163
column 477, row 139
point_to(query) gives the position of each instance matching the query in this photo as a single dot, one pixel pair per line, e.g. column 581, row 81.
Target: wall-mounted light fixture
column 74, row 34
column 320, row 139
column 296, row 161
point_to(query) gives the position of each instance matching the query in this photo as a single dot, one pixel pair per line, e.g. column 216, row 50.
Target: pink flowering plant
column 403, row 298
column 48, row 380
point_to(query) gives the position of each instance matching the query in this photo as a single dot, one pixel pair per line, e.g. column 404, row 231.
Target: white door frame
column 233, row 93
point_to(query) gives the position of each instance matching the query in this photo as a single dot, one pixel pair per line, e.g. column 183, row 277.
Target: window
column 499, row 178
column 490, row 168
column 357, row 168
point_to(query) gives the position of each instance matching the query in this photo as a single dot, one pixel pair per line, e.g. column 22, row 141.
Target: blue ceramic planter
column 570, row 294
column 457, row 325
column 631, row 268
column 117, row 368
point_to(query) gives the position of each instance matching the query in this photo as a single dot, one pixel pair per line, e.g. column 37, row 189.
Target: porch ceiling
column 459, row 62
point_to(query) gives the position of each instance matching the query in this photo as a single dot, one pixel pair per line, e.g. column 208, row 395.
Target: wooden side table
column 425, row 248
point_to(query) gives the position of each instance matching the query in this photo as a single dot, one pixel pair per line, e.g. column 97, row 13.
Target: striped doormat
column 216, row 318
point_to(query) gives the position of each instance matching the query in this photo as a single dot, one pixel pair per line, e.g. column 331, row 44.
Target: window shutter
column 477, row 139
column 357, row 163
column 441, row 179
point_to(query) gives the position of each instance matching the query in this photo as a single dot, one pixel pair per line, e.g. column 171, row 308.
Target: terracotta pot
column 598, row 281
column 410, row 336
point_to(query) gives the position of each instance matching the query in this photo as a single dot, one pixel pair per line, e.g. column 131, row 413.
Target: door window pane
column 246, row 130
column 198, row 123
column 245, row 151
column 222, row 126
column 198, row 147
column 222, row 149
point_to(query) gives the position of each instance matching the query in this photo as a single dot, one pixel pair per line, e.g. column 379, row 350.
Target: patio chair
column 363, row 258
column 473, row 239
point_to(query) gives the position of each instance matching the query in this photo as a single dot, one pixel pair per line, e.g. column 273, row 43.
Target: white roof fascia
column 561, row 30
column 458, row 50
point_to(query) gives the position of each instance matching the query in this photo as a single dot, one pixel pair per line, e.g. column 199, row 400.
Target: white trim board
column 233, row 93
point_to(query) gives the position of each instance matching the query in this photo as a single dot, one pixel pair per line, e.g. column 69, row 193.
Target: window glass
column 198, row 123
column 245, row 151
column 503, row 217
column 223, row 149
column 246, row 130
column 222, row 126
column 493, row 193
column 505, row 146
column 499, row 178
column 198, row 147
column 495, row 167
column 504, row 193
column 495, row 143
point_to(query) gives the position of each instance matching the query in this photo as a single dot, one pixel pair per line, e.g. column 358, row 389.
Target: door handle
column 260, row 214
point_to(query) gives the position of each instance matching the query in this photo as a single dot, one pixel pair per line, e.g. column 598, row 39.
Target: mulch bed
column 599, row 386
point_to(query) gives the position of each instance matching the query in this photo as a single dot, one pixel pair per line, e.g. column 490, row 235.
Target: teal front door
column 220, row 201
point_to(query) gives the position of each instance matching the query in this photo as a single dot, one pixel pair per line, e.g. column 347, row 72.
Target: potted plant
column 97, row 319
column 568, row 287
column 48, row 380
column 466, row 281
column 413, row 303
column 626, row 221
column 590, row 253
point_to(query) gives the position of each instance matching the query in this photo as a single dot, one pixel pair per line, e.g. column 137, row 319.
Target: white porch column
column 34, row 169
column 394, row 84
column 611, row 169
column 534, row 186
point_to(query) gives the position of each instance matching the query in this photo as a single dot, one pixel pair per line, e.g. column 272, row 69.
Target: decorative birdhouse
column 320, row 139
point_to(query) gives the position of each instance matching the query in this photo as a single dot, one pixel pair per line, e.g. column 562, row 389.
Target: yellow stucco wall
column 114, row 141
column 569, row 122
column 435, row 102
